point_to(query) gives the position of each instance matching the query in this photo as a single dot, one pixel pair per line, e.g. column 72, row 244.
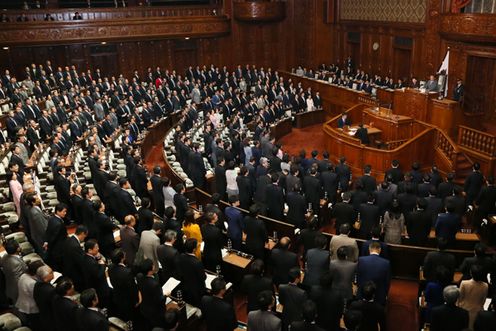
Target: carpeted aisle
column 402, row 313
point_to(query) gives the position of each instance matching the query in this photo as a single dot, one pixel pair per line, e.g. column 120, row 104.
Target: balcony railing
column 480, row 7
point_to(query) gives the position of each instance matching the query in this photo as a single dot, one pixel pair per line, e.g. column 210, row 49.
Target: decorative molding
column 34, row 33
column 468, row 27
column 405, row 11
column 260, row 11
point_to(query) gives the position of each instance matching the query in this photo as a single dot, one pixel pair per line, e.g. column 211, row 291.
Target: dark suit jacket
column 373, row 314
column 55, row 234
column 487, row 200
column 418, row 224
column 145, row 220
column 167, row 256
column 330, row 307
column 73, row 262
column 251, row 286
column 152, row 306
column 485, row 321
column 129, row 244
column 245, row 191
column 363, row 135
column 219, row 315
column 181, row 204
column 62, row 187
column 43, row 295
column 317, row 263
column 90, row 320
column 94, row 277
column 297, row 209
column 220, row 180
column 192, row 277
column 369, row 217
column 214, row 241
column 305, row 326
column 438, row 258
column 377, row 269
column 124, row 290
column 126, row 205
column 275, row 199
column 369, row 183
column 447, row 225
column 158, row 195
column 313, row 191
column 451, row 318
column 256, row 236
column 281, row 262
column 291, row 297
column 64, row 313
column 344, row 213
column 105, row 233
column 329, row 181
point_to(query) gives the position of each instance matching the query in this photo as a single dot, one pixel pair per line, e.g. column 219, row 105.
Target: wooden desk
column 457, row 276
column 236, row 260
column 412, row 103
column 281, row 128
column 309, row 118
column 393, row 127
column 446, row 115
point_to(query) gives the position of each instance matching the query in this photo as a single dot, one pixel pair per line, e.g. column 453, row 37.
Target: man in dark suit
column 376, row 269
column 157, row 186
column 55, row 237
column 458, row 91
column 369, row 217
column 329, row 303
column 89, row 318
column 362, row 134
column 167, row 256
column 197, row 166
column 255, row 283
column 368, row 182
column 479, row 258
column 64, row 308
column 343, row 121
column 125, row 295
column 446, row 188
column 94, row 272
column 344, row 174
column 376, row 237
column 126, row 202
column 395, row 172
column 309, row 313
column 448, row 224
column 73, row 257
column 180, row 202
column 316, row 262
column 291, row 297
column 486, row 201
column 434, row 205
column 439, row 258
column 245, row 188
column 373, row 312
column 281, row 261
column 219, row 314
column 485, row 320
column 152, row 306
column 449, row 316
column 419, row 224
column 297, row 207
column 43, row 295
column 313, row 190
column 473, row 184
column 191, row 274
column 343, row 212
column 275, row 198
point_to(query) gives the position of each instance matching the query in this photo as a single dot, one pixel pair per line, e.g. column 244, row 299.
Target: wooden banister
column 476, row 140
column 447, row 146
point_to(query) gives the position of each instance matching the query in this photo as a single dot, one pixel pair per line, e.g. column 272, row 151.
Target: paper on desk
column 117, row 234
column 170, row 285
column 224, row 252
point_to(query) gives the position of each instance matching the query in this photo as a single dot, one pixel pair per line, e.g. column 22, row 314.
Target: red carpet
column 309, row 138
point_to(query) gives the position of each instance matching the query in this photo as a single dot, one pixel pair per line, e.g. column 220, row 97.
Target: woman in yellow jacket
column 191, row 229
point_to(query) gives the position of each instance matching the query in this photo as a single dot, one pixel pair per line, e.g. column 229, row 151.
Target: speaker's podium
column 445, row 114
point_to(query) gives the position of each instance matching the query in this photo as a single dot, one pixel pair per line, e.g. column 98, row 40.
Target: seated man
column 343, row 121
column 362, row 134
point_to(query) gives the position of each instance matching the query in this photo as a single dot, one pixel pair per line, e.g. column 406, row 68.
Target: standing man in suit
column 218, row 313
column 419, row 224
column 125, row 201
column 191, row 274
column 125, row 296
column 152, row 306
column 13, row 267
column 89, row 317
column 317, row 262
column 343, row 274
column 448, row 224
column 73, row 257
column 439, row 258
column 264, row 319
column 368, row 182
column 376, row 269
column 344, row 175
column 64, row 307
column 129, row 239
column 344, row 121
column 149, row 242
column 473, row 184
column 291, row 297
column 369, row 217
column 94, row 272
column 167, row 256
column 43, row 295
column 373, row 312
column 235, row 222
column 343, row 212
column 275, row 198
column 256, row 233
column 458, row 91
column 449, row 316
column 214, row 241
column 362, row 134
column 343, row 240
column 157, row 190
column 55, row 237
column 313, row 190
column 281, row 261
column 180, row 202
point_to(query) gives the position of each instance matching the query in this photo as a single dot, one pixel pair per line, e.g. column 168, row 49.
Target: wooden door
column 402, row 63
column 480, row 88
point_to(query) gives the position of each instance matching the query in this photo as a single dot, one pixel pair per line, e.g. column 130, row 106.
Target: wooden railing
column 92, row 14
column 477, row 141
column 446, row 146
column 395, row 143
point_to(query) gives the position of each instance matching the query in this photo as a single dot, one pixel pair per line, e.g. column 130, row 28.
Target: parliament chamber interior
column 261, row 165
